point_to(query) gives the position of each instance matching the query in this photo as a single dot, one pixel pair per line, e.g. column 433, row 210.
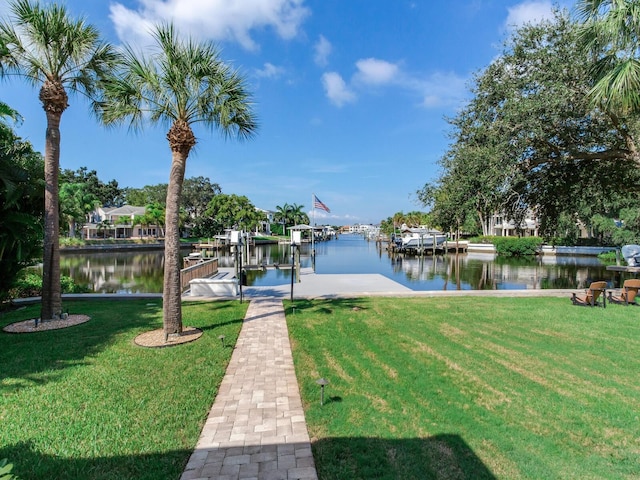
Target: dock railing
column 199, row 270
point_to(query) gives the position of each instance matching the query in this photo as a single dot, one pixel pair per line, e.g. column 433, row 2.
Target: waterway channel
column 141, row 272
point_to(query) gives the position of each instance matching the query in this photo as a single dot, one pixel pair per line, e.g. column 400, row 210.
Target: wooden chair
column 628, row 293
column 590, row 297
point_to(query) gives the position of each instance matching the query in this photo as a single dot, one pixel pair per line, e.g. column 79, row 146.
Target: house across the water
column 127, row 221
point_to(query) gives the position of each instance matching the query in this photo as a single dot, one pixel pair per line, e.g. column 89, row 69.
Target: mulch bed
column 152, row 339
column 155, row 338
column 29, row 326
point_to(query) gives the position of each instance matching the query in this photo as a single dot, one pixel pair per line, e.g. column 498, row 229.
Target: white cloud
column 322, row 51
column 230, row 20
column 376, row 72
column 269, row 70
column 531, row 11
column 441, row 89
column 336, row 89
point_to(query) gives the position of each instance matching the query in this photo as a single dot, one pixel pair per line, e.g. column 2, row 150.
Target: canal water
column 141, row 272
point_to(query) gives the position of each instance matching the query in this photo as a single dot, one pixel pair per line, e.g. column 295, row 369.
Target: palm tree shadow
column 445, row 456
column 29, row 463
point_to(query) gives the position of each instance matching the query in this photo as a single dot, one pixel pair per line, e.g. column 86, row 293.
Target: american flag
column 318, row 204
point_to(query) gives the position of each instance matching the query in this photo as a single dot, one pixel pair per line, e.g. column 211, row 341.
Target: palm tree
column 179, row 84
column 611, row 31
column 48, row 48
column 156, row 216
column 75, row 203
column 7, row 113
column 282, row 216
column 296, row 214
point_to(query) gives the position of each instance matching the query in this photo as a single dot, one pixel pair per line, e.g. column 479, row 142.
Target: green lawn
column 470, row 388
column 86, row 403
column 419, row 388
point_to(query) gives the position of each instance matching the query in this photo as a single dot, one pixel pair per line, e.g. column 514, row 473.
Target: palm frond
column 181, row 80
column 43, row 43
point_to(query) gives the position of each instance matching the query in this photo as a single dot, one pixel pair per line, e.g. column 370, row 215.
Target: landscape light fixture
column 221, row 337
column 322, row 382
column 296, row 239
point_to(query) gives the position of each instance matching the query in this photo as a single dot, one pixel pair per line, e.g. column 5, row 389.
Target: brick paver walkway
column 256, row 428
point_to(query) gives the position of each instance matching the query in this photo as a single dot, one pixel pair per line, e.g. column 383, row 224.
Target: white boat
column 415, row 238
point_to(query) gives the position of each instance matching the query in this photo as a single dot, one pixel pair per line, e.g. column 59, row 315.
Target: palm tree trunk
column 172, row 291
column 51, row 292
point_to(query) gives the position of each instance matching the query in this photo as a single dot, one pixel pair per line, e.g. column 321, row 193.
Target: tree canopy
column 108, row 194
column 231, row 212
column 530, row 139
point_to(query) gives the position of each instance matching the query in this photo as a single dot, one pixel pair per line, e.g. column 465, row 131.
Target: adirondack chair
column 590, row 297
column 628, row 293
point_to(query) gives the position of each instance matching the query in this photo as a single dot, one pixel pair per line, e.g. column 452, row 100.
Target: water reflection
column 116, row 272
column 139, row 272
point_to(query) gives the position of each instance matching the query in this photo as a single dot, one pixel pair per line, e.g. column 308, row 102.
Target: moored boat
column 420, row 238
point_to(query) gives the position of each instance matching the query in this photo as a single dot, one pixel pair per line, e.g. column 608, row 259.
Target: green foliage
column 610, row 33
column 411, row 219
column 5, row 470
column 516, row 246
column 609, row 258
column 530, row 138
column 228, row 211
column 72, row 242
column 289, row 215
column 147, row 195
column 197, row 192
column 29, row 284
column 76, row 202
column 21, row 200
column 108, row 194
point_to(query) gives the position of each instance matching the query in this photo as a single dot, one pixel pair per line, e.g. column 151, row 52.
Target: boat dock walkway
column 256, row 428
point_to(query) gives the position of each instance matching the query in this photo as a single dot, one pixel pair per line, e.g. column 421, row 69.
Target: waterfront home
column 123, row 222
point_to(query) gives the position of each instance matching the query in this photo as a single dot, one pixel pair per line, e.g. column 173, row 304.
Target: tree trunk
column 172, row 291
column 51, row 291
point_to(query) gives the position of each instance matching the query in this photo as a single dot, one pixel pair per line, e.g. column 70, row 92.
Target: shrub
column 516, row 247
column 609, row 258
column 29, row 284
column 71, row 242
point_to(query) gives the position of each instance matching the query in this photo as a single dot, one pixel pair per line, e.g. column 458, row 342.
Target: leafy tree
column 76, row 202
column 529, row 138
column 108, row 194
column 48, row 48
column 21, row 197
column 180, row 83
column 147, row 195
column 197, row 192
column 232, row 211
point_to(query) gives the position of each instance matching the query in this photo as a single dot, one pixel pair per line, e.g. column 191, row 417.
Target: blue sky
column 351, row 96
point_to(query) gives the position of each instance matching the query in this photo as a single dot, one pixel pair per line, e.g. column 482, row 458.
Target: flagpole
column 313, row 233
